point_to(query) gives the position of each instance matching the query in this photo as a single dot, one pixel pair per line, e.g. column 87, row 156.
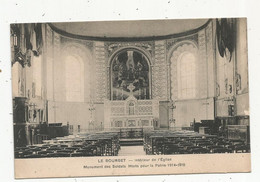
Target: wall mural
column 130, row 75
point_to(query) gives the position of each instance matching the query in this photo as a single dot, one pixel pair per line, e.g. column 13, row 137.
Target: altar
column 131, row 113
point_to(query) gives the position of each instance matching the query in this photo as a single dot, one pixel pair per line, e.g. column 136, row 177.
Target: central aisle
column 131, row 150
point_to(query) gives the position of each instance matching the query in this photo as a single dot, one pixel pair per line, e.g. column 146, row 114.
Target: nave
column 152, row 143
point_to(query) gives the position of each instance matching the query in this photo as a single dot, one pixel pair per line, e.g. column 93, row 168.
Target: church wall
column 164, row 114
column 95, row 69
column 241, row 56
column 187, row 111
column 210, row 47
column 99, row 116
column 224, row 83
column 101, row 74
column 201, row 107
column 160, row 72
column 76, row 113
column 25, row 85
column 27, row 76
column 232, row 76
column 15, row 79
column 242, row 98
column 49, row 62
column 242, row 105
column 58, row 72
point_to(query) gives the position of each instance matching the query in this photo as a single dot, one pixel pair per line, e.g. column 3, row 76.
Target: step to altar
column 131, row 151
column 131, row 142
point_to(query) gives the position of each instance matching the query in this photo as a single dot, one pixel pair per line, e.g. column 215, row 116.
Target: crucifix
column 131, row 87
column 172, row 106
column 91, row 109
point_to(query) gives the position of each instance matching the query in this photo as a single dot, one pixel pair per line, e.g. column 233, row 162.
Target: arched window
column 74, row 73
column 186, row 74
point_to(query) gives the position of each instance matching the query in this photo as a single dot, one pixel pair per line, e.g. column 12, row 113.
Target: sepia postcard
column 112, row 98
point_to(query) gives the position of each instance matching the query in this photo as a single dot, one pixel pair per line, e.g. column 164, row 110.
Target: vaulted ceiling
column 141, row 28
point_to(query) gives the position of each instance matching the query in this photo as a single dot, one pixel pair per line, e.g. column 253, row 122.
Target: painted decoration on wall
column 130, row 76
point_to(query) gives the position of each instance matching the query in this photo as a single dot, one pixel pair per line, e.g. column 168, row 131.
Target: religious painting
column 130, row 67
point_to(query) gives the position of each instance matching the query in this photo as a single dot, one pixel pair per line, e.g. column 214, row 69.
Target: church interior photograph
column 125, row 88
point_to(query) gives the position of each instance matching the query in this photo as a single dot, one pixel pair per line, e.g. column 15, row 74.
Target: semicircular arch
column 175, row 53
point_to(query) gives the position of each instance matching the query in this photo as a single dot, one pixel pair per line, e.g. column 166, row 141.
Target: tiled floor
column 131, row 150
